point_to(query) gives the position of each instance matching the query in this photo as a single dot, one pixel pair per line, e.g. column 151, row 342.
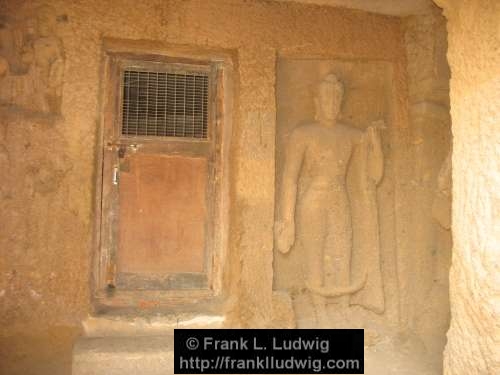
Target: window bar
column 147, row 104
column 126, row 96
column 156, row 105
column 193, row 106
column 184, row 106
column 175, row 104
column 199, row 130
column 137, row 103
column 166, row 103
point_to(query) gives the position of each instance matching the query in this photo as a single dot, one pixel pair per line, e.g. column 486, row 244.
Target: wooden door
column 159, row 182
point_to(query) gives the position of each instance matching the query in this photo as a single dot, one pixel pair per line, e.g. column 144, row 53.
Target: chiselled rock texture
column 390, row 7
column 51, row 73
column 425, row 308
column 47, row 207
column 121, row 355
column 474, row 43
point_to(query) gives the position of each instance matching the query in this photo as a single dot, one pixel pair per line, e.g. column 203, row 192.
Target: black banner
column 269, row 351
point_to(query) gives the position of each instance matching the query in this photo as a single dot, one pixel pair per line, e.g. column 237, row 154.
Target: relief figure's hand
column 284, row 233
column 373, row 131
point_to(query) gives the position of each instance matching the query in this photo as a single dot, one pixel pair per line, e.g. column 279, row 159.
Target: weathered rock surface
column 152, row 355
column 474, row 44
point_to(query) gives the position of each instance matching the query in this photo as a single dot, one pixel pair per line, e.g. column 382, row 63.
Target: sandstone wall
column 474, row 44
column 49, row 160
column 425, row 307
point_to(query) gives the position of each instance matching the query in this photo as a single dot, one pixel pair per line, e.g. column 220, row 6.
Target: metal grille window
column 164, row 104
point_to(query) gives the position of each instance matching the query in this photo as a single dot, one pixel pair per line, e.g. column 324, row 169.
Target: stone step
column 144, row 355
column 121, row 326
column 124, row 344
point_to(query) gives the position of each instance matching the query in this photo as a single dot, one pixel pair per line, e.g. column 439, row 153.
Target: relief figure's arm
column 56, row 70
column 375, row 156
column 285, row 225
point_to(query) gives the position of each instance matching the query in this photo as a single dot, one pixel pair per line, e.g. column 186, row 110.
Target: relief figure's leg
column 338, row 246
column 312, row 231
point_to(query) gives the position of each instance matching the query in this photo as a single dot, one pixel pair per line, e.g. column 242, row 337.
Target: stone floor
column 44, row 352
column 130, row 346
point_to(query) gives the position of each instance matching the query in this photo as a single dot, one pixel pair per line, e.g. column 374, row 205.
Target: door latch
column 116, row 176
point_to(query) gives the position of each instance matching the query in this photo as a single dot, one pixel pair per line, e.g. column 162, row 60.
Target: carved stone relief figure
column 319, row 214
column 32, row 63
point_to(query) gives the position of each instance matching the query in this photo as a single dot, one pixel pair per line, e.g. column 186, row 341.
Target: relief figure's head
column 328, row 100
column 46, row 21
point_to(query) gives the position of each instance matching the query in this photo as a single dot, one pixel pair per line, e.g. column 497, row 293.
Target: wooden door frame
column 220, row 63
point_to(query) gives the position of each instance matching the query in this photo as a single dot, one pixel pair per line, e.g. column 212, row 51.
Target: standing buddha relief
column 316, row 206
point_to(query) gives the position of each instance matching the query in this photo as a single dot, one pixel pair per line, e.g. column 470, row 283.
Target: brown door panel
column 162, row 214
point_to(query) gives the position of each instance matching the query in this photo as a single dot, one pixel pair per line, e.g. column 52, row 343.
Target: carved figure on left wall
column 316, row 209
column 32, row 63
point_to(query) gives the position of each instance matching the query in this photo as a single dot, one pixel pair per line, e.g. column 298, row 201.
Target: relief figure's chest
column 328, row 154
